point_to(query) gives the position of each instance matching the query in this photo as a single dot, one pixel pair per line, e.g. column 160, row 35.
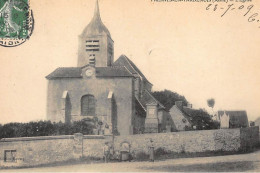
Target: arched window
column 88, row 105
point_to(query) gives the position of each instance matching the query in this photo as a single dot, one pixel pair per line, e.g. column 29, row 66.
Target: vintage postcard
column 129, row 85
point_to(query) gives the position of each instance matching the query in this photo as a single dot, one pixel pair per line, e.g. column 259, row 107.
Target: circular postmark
column 16, row 22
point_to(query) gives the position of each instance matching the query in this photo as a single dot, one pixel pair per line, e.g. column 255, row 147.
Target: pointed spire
column 96, row 12
column 96, row 26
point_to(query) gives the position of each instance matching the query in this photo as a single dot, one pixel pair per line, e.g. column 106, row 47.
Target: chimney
column 179, row 104
column 189, row 105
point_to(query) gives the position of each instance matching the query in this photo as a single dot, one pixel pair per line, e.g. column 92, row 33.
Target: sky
column 179, row 46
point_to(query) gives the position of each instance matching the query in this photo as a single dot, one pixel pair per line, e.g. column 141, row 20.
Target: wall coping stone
column 179, row 132
column 93, row 137
column 36, row 138
column 49, row 138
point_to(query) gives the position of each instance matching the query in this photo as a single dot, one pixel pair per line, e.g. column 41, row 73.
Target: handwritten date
column 247, row 11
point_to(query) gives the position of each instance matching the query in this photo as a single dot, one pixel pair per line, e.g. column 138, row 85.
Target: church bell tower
column 96, row 46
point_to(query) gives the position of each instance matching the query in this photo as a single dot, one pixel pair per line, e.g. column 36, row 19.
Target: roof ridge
column 136, row 69
column 118, row 66
column 127, row 70
column 128, row 60
column 155, row 98
column 76, row 72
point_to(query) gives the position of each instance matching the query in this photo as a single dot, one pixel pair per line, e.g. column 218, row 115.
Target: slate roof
column 96, row 26
column 148, row 98
column 124, row 61
column 237, row 119
column 118, row 71
column 65, row 72
column 140, row 109
column 190, row 112
column 76, row 72
column 122, row 67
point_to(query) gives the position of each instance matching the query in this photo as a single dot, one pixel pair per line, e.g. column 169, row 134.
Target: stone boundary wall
column 194, row 141
column 94, row 148
column 249, row 137
column 187, row 141
column 32, row 151
column 36, row 152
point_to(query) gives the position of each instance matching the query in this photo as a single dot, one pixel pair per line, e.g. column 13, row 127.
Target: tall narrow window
column 110, row 54
column 92, row 59
column 88, row 105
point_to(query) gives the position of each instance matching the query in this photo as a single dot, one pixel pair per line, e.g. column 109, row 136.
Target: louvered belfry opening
column 88, row 106
column 92, row 46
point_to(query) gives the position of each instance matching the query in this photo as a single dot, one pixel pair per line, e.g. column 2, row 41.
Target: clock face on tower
column 89, row 72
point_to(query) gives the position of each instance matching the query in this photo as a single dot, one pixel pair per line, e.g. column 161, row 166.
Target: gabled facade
column 236, row 119
column 103, row 92
column 224, row 121
column 180, row 119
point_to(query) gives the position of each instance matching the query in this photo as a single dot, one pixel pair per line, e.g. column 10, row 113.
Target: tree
column 202, row 120
column 198, row 117
column 211, row 104
column 168, row 98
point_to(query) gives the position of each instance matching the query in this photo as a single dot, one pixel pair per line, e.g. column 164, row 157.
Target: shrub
column 45, row 128
column 160, row 151
column 141, row 156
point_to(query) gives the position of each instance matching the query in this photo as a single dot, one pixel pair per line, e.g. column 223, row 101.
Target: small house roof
column 237, row 118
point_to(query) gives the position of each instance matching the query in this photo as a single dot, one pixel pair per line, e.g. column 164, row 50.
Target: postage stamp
column 16, row 22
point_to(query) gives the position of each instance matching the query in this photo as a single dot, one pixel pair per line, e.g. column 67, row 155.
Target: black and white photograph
column 129, row 85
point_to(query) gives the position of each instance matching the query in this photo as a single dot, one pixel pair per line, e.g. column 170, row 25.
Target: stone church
column 115, row 92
